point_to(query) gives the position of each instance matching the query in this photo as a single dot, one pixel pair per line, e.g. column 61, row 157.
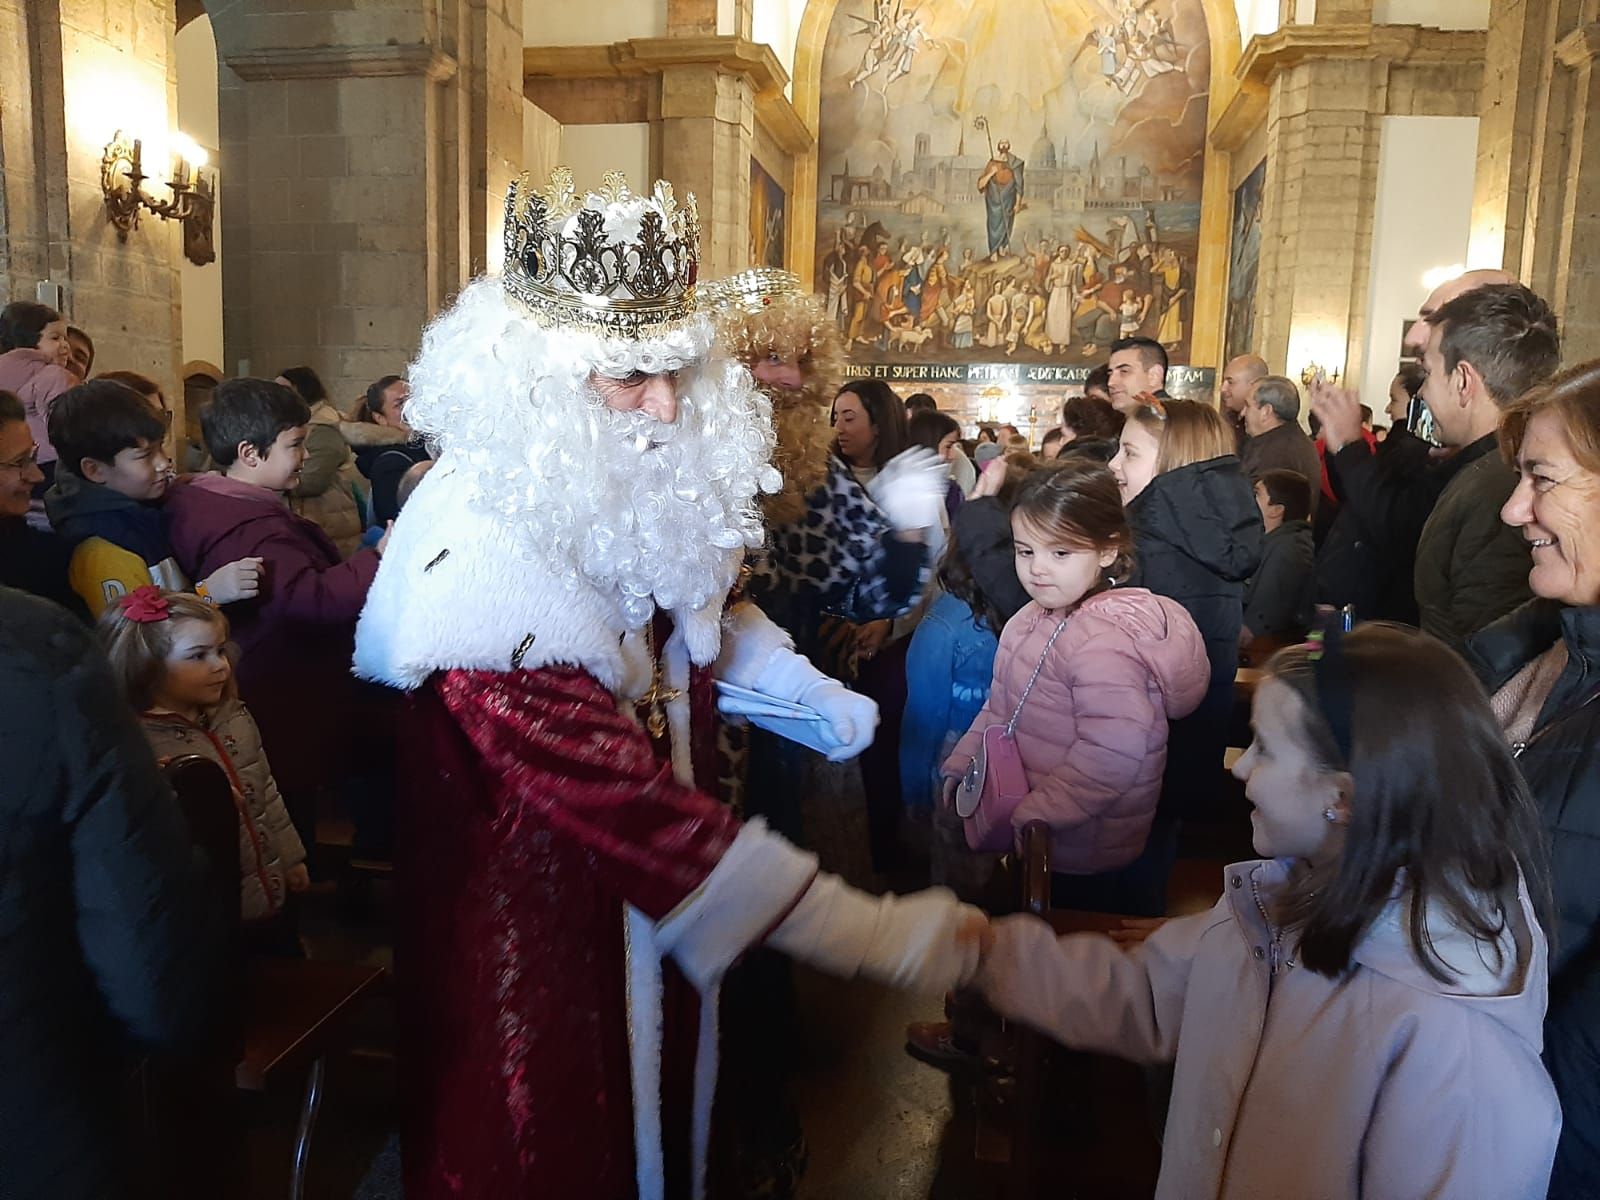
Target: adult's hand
column 1339, row 410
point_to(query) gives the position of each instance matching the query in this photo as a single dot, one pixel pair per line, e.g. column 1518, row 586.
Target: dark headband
column 1331, row 673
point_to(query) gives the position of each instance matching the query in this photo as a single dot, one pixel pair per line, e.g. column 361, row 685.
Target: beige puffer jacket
column 330, row 492
column 268, row 843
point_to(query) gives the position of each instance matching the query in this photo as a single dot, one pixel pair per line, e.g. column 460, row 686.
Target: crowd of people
column 573, row 534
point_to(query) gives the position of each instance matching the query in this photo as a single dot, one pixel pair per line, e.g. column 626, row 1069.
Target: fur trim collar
column 454, row 593
column 361, row 434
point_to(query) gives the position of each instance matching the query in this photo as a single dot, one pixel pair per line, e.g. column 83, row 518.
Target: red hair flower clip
column 146, row 605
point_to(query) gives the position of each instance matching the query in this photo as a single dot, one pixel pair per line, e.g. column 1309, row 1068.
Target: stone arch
column 1222, row 26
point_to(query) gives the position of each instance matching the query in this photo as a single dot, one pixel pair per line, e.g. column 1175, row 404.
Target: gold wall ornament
column 564, row 267
column 193, row 199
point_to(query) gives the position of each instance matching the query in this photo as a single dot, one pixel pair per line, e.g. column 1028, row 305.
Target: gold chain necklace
column 655, row 700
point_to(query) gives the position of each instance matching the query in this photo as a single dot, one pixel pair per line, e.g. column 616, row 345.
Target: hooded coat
column 1197, row 539
column 1384, row 1083
column 1093, row 733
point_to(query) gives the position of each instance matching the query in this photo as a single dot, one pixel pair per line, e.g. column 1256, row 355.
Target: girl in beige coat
column 1360, row 1014
column 169, row 650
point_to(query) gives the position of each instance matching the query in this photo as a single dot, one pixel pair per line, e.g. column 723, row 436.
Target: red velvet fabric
column 530, row 811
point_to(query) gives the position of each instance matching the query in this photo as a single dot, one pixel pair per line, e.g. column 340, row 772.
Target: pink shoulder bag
column 995, row 782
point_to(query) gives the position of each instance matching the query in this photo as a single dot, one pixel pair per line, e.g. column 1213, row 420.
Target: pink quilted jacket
column 1093, row 735
column 37, row 379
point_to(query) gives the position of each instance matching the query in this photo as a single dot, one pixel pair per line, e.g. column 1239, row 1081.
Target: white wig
column 508, row 401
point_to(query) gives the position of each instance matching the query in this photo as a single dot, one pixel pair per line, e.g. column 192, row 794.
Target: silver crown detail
column 751, row 290
column 563, row 265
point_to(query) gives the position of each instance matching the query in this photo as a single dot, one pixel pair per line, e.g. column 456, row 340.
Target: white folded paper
column 797, row 722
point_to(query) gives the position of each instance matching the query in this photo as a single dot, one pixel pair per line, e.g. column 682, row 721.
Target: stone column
column 706, row 129
column 73, row 72
column 1536, row 208
column 1324, row 123
column 366, row 148
column 1322, row 92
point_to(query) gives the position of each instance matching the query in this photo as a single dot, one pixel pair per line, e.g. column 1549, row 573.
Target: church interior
column 982, row 198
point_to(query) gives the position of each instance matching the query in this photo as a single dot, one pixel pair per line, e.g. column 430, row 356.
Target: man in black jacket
column 105, row 936
column 1485, row 348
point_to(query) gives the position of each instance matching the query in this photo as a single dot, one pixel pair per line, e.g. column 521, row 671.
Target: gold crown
column 574, row 273
column 751, row 290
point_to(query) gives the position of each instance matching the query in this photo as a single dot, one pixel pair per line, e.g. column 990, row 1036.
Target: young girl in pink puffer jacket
column 1113, row 664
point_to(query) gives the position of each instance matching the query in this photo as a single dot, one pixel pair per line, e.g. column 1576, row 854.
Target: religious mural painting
column 1244, row 263
column 1013, row 183
column 767, row 203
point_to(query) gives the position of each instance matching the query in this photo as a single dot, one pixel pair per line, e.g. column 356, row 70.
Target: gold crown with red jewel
column 751, row 290
column 610, row 261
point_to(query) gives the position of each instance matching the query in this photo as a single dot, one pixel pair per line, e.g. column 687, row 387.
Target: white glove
column 910, row 489
column 852, row 718
column 904, row 941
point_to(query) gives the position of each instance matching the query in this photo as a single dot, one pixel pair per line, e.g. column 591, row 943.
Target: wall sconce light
column 1310, row 372
column 193, row 199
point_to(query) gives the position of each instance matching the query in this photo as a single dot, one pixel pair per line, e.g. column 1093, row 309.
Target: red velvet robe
column 531, row 810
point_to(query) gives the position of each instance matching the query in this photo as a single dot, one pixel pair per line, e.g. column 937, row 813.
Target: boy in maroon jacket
column 296, row 638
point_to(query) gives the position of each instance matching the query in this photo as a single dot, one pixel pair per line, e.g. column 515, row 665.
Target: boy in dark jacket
column 113, row 471
column 297, row 637
column 1278, row 598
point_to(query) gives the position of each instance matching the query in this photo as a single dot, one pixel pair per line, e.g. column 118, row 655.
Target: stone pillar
column 706, row 130
column 1324, row 123
column 1537, row 201
column 1321, row 91
column 366, row 147
column 73, row 72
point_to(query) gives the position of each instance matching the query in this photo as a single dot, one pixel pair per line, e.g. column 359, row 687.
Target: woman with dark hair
column 907, row 485
column 939, row 432
column 869, row 424
column 393, row 448
column 33, row 367
column 1541, row 664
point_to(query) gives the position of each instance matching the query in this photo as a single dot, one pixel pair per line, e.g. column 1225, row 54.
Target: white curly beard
column 657, row 513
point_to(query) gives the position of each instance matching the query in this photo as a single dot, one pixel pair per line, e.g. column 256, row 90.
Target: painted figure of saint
column 1001, row 186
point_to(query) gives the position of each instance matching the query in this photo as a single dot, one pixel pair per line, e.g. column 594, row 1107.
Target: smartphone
column 1420, row 421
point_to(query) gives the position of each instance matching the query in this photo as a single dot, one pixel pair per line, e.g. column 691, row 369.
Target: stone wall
column 368, row 147
column 1536, row 205
column 72, row 72
column 1314, row 98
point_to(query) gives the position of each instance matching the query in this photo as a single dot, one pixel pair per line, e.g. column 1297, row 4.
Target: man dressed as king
column 555, row 599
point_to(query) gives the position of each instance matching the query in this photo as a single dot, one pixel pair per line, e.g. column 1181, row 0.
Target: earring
column 1330, row 815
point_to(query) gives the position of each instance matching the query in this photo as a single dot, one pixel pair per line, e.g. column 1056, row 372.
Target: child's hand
column 383, row 542
column 239, row 580
column 298, row 878
column 947, row 796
